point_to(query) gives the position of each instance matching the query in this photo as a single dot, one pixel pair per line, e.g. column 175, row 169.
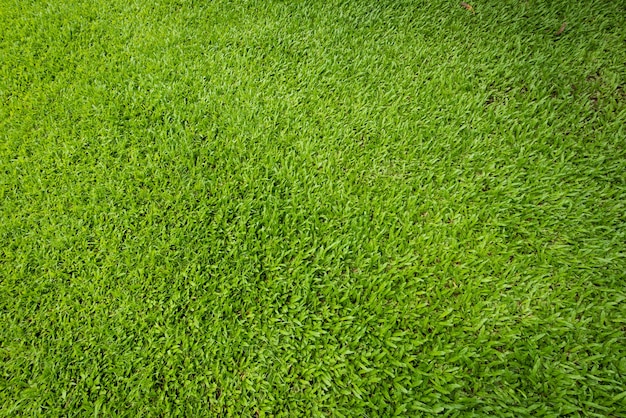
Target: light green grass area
column 312, row 208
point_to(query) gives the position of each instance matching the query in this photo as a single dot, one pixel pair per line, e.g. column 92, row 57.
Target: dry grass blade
column 467, row 6
column 561, row 29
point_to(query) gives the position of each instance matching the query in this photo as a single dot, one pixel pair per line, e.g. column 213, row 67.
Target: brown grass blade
column 467, row 6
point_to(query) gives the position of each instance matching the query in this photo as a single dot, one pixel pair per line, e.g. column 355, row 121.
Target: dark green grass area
column 312, row 208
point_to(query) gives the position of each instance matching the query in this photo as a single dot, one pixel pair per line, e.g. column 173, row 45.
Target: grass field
column 312, row 208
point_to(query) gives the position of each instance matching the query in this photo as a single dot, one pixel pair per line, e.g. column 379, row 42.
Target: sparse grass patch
column 307, row 208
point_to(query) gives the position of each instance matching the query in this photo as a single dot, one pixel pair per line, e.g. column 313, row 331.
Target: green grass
column 312, row 208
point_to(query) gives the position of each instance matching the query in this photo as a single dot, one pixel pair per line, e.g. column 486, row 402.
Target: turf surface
column 312, row 208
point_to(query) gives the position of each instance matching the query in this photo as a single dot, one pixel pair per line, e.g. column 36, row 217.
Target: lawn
column 312, row 208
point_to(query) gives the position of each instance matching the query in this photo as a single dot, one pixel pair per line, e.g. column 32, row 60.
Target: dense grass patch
column 310, row 208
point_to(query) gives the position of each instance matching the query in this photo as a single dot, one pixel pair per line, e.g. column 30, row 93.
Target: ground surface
column 312, row 208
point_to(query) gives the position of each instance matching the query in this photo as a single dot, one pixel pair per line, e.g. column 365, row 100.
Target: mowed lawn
column 312, row 208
